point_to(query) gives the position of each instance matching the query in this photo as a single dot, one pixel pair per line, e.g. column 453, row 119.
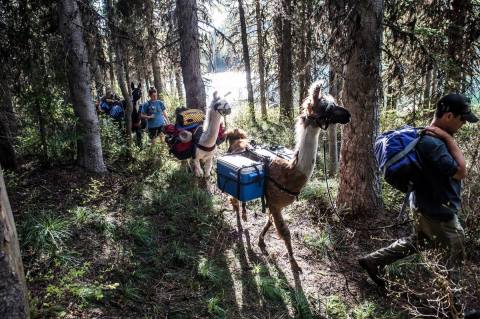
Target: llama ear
column 132, row 85
column 215, row 95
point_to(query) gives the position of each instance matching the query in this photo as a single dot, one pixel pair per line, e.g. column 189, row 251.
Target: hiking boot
column 372, row 271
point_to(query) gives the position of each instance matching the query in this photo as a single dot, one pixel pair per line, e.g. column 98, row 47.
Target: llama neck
column 307, row 145
column 209, row 136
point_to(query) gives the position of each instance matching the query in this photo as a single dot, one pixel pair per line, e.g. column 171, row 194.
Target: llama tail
column 233, row 135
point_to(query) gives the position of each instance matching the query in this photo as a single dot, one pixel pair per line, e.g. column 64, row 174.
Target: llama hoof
column 244, row 217
column 295, row 267
column 263, row 247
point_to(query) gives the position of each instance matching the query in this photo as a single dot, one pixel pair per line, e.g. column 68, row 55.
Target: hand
column 438, row 132
column 151, row 116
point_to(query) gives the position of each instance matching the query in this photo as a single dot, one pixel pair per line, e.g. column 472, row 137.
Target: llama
column 206, row 145
column 287, row 178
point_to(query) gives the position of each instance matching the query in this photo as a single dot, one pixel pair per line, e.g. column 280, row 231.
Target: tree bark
column 152, row 39
column 42, row 130
column 78, row 74
column 186, row 12
column 179, row 84
column 246, row 59
column 92, row 40
column 456, row 44
column 359, row 187
column 434, row 95
column 125, row 93
column 427, row 88
column 261, row 59
column 13, row 290
column 334, row 85
column 157, row 75
column 304, row 57
column 283, row 26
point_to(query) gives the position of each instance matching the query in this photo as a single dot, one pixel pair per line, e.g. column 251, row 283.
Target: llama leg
column 197, row 168
column 236, row 208
column 235, row 204
column 244, row 211
column 261, row 238
column 284, row 232
column 208, row 166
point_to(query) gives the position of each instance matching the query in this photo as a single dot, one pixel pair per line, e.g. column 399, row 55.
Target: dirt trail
column 327, row 269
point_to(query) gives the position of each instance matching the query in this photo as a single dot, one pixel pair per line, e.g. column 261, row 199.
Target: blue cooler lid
column 235, row 162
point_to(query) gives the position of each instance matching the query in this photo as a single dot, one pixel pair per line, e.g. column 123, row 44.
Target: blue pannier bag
column 241, row 177
column 117, row 112
column 105, row 107
column 397, row 158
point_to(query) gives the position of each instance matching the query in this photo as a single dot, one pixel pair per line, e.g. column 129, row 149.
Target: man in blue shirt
column 154, row 112
column 436, row 199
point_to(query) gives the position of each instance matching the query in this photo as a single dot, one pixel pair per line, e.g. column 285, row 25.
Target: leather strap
column 283, row 188
column 206, row 149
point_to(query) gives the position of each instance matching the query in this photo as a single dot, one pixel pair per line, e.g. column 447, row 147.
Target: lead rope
column 334, row 207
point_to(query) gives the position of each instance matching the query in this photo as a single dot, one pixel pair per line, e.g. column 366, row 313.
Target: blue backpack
column 117, row 112
column 397, row 158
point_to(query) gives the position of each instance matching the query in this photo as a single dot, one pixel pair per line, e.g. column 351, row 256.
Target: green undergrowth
column 123, row 246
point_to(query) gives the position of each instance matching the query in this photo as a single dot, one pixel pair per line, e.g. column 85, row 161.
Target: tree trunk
column 359, row 187
column 92, row 40
column 126, row 96
column 334, row 85
column 304, row 52
column 13, row 290
column 43, row 131
column 186, row 13
column 456, row 44
column 126, row 67
column 8, row 157
column 283, row 27
column 246, row 59
column 78, row 75
column 261, row 59
column 152, row 39
column 434, row 95
column 428, row 85
column 179, row 84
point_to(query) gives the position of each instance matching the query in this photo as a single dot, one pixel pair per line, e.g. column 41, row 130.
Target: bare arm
column 453, row 149
column 144, row 116
column 165, row 116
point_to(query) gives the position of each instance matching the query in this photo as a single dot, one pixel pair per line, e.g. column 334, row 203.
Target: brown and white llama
column 287, row 178
column 206, row 145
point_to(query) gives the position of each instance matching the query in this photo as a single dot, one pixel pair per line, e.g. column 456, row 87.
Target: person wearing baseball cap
column 436, row 198
column 458, row 105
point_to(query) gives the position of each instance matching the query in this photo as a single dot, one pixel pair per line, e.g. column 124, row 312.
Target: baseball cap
column 458, row 105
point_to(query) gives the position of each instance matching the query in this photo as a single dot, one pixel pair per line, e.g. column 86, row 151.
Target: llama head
column 322, row 109
column 220, row 104
column 136, row 92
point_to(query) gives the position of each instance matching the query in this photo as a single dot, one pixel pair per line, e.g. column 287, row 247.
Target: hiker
column 106, row 102
column 435, row 201
column 154, row 112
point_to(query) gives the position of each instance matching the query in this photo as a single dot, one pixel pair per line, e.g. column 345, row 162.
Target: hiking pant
column 427, row 233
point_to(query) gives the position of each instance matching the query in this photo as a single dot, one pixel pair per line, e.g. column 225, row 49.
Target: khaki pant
column 427, row 233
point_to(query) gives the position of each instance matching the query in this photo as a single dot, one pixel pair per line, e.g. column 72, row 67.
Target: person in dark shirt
column 435, row 201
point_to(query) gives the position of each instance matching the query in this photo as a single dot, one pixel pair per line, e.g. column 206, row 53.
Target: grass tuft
column 45, row 232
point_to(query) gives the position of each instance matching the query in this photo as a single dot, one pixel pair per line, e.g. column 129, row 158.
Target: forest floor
column 151, row 242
